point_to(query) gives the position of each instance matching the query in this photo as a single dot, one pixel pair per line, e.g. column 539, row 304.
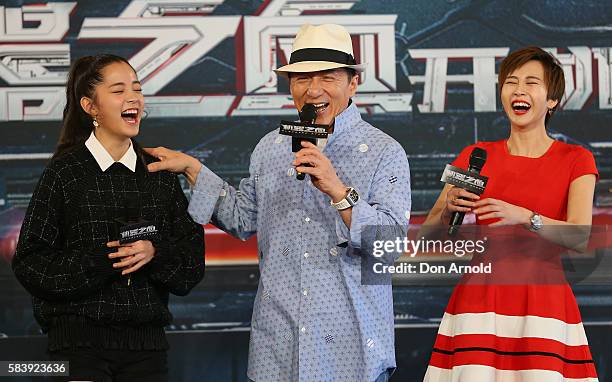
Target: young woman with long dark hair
column 104, row 305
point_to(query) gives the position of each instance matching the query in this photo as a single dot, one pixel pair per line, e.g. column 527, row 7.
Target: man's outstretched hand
column 174, row 161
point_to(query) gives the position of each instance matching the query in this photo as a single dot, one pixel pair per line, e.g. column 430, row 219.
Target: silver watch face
column 536, row 222
column 352, row 197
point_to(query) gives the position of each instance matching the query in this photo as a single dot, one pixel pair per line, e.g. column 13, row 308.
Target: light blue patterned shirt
column 312, row 318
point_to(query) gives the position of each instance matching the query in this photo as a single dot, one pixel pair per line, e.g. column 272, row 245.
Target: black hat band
column 321, row 54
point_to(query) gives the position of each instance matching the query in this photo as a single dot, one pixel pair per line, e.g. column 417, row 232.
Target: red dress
column 517, row 333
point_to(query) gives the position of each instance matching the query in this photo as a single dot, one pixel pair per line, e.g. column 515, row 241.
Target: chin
column 324, row 120
column 522, row 123
column 131, row 131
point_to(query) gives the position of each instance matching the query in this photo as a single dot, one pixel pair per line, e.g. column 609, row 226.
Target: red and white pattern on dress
column 518, row 333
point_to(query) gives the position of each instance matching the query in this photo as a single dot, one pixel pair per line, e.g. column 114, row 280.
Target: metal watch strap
column 344, row 203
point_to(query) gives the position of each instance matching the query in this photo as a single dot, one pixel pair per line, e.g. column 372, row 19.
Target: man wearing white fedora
column 313, row 320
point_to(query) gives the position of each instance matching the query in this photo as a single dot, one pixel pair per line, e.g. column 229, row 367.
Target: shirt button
column 303, row 330
column 333, row 251
column 307, row 219
column 370, row 343
column 306, row 254
column 305, row 292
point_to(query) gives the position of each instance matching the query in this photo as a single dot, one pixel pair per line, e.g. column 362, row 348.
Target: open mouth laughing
column 320, row 107
column 520, row 107
column 130, row 116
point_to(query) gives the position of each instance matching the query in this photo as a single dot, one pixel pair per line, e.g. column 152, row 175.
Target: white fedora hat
column 321, row 47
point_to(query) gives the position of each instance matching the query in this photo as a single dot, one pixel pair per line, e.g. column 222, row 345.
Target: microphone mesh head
column 478, row 157
column 308, row 113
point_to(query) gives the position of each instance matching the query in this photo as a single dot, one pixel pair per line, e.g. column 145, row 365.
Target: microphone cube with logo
column 469, row 180
column 134, row 230
column 302, row 131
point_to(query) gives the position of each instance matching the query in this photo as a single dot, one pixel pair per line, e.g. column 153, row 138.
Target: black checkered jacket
column 62, row 258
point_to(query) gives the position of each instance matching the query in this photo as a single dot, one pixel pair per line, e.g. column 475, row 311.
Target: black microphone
column 305, row 130
column 132, row 227
column 478, row 157
column 307, row 115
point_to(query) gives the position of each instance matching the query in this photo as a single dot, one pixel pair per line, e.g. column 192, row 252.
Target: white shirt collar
column 104, row 159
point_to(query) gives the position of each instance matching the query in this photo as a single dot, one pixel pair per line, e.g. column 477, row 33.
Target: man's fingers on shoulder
column 155, row 166
column 155, row 151
column 159, row 151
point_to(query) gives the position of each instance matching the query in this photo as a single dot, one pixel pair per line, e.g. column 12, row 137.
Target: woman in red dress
column 528, row 331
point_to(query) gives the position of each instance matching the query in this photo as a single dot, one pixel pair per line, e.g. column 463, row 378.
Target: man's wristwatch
column 349, row 200
column 536, row 221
